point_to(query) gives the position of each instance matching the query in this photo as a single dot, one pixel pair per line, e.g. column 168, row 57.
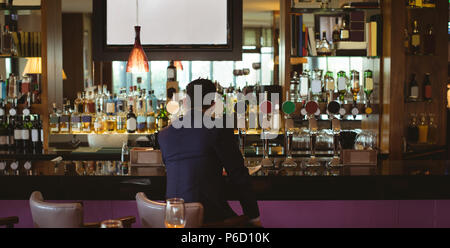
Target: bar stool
column 152, row 213
column 9, row 222
column 62, row 215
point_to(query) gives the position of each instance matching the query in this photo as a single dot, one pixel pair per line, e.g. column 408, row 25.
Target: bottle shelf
column 348, row 56
column 297, row 10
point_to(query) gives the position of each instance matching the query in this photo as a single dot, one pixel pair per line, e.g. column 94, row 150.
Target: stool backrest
column 152, row 213
column 55, row 215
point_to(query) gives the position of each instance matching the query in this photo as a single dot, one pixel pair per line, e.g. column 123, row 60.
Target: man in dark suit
column 195, row 157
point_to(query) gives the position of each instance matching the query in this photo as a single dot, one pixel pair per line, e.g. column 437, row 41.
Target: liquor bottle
column 121, row 100
column 99, row 103
column 3, row 89
column 130, row 97
column 355, row 86
column 18, row 134
column 86, row 120
column 125, row 158
column 429, row 41
column 415, row 38
column 324, row 46
column 344, row 32
column 11, row 125
column 99, row 119
column 423, row 130
column 330, row 86
column 413, row 89
column 171, row 72
column 105, row 96
column 7, row 41
column 432, row 130
column 427, row 89
column 151, row 120
column 304, row 85
column 79, row 103
column 141, row 116
column 121, row 118
column 316, row 84
column 336, row 31
column 413, row 130
column 64, row 119
column 54, row 120
column 90, row 102
column 131, row 120
column 342, row 82
column 12, row 86
column 110, row 114
column 368, row 84
column 26, row 134
column 317, row 38
column 162, row 119
column 36, row 134
column 154, row 100
column 75, row 118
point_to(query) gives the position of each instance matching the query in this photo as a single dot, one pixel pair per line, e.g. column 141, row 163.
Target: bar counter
column 390, row 180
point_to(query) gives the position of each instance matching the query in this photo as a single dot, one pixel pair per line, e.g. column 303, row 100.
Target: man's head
column 207, row 86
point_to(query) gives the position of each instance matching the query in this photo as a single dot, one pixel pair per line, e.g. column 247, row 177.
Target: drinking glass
column 111, row 224
column 175, row 213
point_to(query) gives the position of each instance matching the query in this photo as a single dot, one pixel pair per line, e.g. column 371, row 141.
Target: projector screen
column 167, row 22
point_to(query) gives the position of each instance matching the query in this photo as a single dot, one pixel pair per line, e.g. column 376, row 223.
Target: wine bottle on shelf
column 111, row 114
column 54, row 120
column 171, row 72
column 415, row 39
column 131, row 121
column 99, row 119
column 336, row 31
column 11, row 126
column 330, row 86
column 141, row 116
column 413, row 89
column 355, row 85
column 151, row 121
column 121, row 117
column 64, row 120
column 26, row 134
column 342, row 85
column 18, row 134
column 324, row 46
column 344, row 33
column 36, row 135
column 427, row 89
column 86, row 120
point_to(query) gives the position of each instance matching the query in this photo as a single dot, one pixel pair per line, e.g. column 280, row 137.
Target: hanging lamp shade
column 178, row 65
column 137, row 61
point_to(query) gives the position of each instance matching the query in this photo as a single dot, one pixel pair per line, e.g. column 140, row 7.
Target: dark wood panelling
column 103, row 73
column 72, row 34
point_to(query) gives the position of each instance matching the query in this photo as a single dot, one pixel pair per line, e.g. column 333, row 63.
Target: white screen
column 167, row 22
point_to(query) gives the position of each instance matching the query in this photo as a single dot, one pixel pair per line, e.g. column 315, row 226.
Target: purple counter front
column 287, row 214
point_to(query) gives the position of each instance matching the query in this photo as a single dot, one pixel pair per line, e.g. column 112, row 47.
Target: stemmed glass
column 175, row 213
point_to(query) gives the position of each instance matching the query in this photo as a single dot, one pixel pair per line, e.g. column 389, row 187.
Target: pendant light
column 137, row 60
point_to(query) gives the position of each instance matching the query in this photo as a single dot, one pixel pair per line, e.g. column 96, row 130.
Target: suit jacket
column 194, row 160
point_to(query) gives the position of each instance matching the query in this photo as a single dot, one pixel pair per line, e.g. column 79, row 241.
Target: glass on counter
column 432, row 130
column 413, row 130
column 423, row 129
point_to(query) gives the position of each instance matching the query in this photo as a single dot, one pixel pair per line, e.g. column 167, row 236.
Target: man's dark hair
column 207, row 87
